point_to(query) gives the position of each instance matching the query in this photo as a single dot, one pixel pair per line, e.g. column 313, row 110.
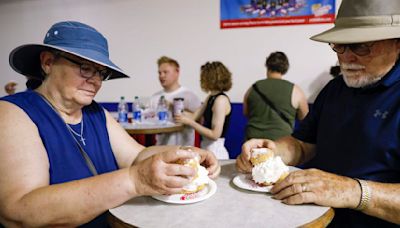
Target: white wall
column 140, row 31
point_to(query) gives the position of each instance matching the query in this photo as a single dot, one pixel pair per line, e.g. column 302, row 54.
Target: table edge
column 322, row 221
column 155, row 130
column 115, row 222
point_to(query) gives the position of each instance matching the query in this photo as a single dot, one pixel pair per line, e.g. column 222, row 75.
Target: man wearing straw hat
column 64, row 159
column 351, row 137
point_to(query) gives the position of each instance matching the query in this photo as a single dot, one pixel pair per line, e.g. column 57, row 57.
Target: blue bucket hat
column 72, row 37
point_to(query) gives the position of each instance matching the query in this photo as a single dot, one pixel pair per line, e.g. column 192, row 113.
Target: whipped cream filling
column 200, row 179
column 269, row 171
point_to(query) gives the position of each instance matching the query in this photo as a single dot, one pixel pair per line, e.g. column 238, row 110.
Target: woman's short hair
column 165, row 59
column 277, row 62
column 214, row 76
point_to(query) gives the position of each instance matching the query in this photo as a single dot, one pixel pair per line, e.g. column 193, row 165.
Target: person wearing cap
column 64, row 159
column 351, row 136
column 168, row 75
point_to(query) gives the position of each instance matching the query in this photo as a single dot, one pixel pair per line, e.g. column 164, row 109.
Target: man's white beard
column 355, row 79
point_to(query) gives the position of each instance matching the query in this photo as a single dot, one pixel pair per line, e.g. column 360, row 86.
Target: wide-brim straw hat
column 363, row 21
column 72, row 37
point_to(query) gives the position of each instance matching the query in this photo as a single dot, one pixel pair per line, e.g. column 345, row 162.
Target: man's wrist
column 365, row 195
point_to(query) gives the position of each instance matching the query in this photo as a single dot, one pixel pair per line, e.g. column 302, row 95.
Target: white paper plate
column 245, row 181
column 203, row 194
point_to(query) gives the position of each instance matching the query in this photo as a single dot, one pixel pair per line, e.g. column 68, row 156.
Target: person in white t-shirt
column 168, row 74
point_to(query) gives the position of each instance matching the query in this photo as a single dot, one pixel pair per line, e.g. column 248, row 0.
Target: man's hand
column 243, row 163
column 318, row 187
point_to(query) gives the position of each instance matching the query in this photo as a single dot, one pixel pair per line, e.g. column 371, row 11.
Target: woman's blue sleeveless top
column 65, row 159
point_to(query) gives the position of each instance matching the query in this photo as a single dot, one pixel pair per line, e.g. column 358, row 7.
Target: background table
column 230, row 206
column 148, row 129
column 152, row 128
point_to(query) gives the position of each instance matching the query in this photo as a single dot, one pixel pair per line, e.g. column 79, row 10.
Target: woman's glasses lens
column 88, row 71
column 105, row 74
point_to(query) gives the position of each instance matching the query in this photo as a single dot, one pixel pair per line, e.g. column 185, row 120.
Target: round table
column 230, row 206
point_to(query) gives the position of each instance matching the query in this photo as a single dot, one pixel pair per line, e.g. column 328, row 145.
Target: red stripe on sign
column 267, row 21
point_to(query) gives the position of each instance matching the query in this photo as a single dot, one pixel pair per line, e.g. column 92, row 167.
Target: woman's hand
column 318, row 187
column 183, row 119
column 160, row 173
column 243, row 163
column 207, row 159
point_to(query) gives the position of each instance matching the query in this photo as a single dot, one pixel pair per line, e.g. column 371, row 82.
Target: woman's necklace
column 88, row 161
column 82, row 139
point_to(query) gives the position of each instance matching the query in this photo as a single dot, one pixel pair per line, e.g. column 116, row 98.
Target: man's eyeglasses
column 360, row 49
column 89, row 71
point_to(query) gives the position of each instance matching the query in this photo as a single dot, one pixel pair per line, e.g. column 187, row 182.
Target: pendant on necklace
column 83, row 141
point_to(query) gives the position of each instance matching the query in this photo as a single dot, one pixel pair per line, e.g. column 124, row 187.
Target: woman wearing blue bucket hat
column 65, row 160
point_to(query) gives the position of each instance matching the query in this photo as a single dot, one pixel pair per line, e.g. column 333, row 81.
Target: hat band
column 79, row 44
column 369, row 21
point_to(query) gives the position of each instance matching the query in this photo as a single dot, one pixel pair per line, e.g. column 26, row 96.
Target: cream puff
column 259, row 155
column 200, row 180
column 268, row 169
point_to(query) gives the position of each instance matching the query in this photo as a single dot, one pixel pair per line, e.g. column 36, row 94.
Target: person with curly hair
column 215, row 79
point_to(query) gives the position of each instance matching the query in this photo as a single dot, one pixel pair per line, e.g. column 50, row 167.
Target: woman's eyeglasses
column 89, row 71
column 360, row 49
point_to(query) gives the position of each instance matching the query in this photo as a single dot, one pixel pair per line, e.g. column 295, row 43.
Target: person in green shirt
column 287, row 99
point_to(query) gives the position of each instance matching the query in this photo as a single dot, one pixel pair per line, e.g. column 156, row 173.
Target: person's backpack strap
column 270, row 104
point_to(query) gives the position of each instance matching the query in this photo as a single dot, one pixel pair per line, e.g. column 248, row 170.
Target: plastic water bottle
column 162, row 110
column 122, row 111
column 136, row 110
